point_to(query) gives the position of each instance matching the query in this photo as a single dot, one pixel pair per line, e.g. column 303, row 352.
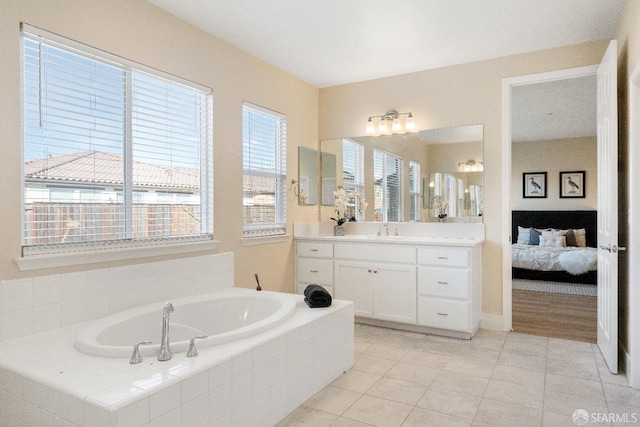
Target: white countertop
column 405, row 240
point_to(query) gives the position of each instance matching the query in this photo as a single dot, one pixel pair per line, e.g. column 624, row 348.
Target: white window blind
column 114, row 152
column 387, row 176
column 353, row 174
column 264, row 171
column 414, row 191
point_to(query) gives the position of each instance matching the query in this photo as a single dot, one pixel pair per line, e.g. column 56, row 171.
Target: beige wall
column 459, row 95
column 136, row 30
column 553, row 157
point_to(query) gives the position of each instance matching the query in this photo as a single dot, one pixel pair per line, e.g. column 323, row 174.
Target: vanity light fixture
column 470, row 166
column 396, row 123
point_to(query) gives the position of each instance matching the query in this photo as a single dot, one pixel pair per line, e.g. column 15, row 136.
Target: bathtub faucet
column 165, row 349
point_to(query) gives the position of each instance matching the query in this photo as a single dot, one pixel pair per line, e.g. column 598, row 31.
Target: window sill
column 252, row 241
column 39, row 262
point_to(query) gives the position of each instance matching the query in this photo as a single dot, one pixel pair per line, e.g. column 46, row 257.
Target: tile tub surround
column 252, row 382
column 38, row 304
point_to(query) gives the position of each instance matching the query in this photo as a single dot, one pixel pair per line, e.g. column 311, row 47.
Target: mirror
column 441, row 169
column 307, row 186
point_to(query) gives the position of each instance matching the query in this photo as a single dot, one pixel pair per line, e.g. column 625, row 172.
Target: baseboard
column 491, row 321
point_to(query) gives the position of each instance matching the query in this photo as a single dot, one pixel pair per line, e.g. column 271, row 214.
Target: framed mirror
column 307, row 186
column 412, row 160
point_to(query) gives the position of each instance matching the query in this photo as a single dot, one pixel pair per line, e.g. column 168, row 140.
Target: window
column 414, row 191
column 264, row 145
column 103, row 139
column 387, row 176
column 353, row 174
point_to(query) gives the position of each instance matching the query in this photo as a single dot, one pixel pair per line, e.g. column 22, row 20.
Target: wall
column 452, row 96
column 139, row 31
column 553, row 157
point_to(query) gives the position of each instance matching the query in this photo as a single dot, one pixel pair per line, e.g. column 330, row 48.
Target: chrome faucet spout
column 165, row 348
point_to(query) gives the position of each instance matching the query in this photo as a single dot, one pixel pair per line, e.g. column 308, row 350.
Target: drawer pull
column 442, row 314
column 313, row 271
column 313, row 250
column 443, row 257
column 443, row 283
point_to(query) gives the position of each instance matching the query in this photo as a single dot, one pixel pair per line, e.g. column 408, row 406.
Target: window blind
column 264, row 171
column 112, row 151
column 414, row 191
column 387, row 175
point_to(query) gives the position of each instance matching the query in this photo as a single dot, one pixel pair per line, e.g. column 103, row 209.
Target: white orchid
column 342, row 200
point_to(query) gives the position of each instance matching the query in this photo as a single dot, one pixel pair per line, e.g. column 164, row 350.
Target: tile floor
column 497, row 379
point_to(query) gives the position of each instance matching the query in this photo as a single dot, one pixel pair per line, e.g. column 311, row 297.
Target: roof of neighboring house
column 107, row 168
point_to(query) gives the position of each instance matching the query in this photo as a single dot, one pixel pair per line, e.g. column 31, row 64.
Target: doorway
column 540, row 308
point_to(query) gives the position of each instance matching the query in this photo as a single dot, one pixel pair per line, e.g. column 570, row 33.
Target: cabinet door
column 353, row 282
column 395, row 293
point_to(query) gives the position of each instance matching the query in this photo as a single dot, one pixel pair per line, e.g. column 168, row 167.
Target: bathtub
column 224, row 316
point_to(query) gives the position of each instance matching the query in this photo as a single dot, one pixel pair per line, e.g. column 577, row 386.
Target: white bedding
column 533, row 257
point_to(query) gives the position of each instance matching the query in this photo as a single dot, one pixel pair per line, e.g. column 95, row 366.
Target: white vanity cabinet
column 314, row 265
column 430, row 285
column 379, row 279
column 449, row 288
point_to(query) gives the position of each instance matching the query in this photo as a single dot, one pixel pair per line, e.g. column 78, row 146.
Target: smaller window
column 387, row 176
column 264, row 171
column 353, row 175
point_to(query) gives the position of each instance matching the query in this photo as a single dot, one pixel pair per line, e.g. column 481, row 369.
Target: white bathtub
column 223, row 316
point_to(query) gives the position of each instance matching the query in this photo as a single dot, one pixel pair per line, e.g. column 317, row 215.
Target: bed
column 563, row 256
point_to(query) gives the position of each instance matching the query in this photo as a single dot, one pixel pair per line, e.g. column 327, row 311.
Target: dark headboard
column 557, row 219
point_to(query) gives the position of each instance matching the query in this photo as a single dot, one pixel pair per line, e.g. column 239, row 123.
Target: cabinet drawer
column 443, row 282
column 315, row 250
column 318, row 271
column 376, row 252
column 452, row 257
column 443, row 314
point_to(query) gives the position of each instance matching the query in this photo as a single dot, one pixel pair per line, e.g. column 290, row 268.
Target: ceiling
column 333, row 42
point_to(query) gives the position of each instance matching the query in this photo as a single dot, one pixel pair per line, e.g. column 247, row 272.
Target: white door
column 608, row 208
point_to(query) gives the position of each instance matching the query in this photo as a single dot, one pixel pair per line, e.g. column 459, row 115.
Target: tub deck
column 254, row 381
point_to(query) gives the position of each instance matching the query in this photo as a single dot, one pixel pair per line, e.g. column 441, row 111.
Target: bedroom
column 554, row 146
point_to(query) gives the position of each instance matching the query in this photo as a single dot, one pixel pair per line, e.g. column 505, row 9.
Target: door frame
column 507, row 88
column 632, row 356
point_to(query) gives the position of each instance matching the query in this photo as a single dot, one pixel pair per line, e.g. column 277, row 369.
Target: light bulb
column 382, row 127
column 396, row 126
column 370, row 128
column 409, row 124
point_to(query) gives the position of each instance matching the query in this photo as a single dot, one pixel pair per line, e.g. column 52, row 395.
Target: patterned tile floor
column 497, row 379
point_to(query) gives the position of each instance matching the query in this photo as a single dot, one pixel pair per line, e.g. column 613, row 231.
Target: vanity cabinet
column 314, row 265
column 379, row 290
column 430, row 286
column 448, row 288
column 379, row 279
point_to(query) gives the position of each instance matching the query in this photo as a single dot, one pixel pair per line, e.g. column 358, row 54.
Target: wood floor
column 564, row 316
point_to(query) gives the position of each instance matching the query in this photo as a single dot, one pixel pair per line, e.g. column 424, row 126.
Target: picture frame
column 534, row 185
column 572, row 185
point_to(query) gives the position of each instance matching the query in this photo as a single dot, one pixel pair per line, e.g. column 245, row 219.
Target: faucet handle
column 193, row 351
column 135, row 357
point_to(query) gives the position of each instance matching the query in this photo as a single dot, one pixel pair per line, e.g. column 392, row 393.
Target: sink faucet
column 165, row 349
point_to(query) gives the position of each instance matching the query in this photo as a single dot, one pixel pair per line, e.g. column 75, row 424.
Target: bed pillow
column 534, row 237
column 553, row 239
column 570, row 238
column 581, row 237
column 523, row 235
